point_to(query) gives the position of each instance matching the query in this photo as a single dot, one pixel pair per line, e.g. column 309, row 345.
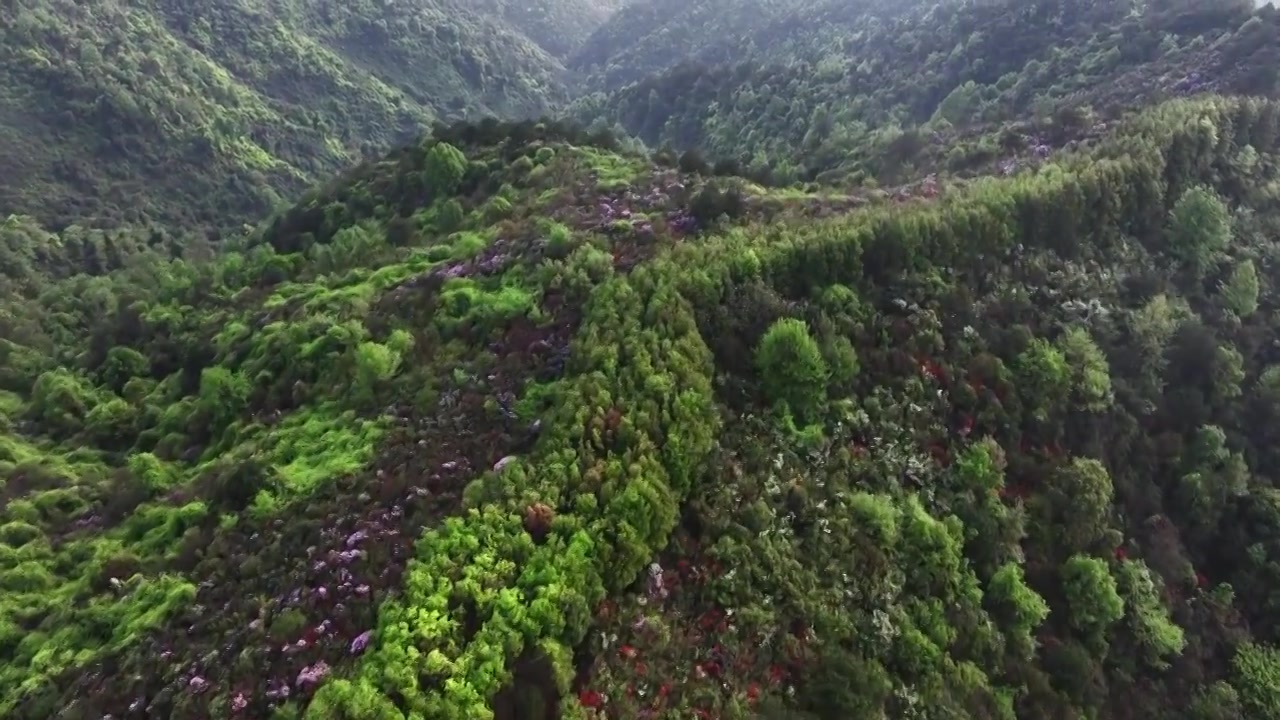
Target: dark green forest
column 208, row 115
column 713, row 360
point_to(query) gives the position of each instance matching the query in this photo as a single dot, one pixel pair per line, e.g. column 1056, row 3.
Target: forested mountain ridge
column 513, row 423
column 558, row 27
column 846, row 92
column 522, row 421
column 208, row 115
column 205, row 117
column 644, row 38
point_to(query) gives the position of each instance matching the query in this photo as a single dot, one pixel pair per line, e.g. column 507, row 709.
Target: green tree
column 1228, row 372
column 1044, row 377
column 1199, row 227
column 842, row 358
column 1240, row 290
column 1090, row 375
column 62, row 401
column 792, row 368
column 960, row 105
column 1269, row 384
column 1218, row 701
column 1075, row 505
column 1257, row 678
column 1093, row 600
column 111, row 423
column 224, row 394
column 1147, row 617
column 449, row 216
column 1022, row 608
column 1155, row 324
column 375, row 363
column 122, row 365
column 446, row 166
column 1211, row 475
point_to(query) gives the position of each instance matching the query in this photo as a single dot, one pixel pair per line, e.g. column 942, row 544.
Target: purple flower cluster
column 663, row 195
column 1191, row 84
column 361, row 642
column 278, row 690
column 682, row 222
column 489, row 263
column 312, row 674
column 85, row 522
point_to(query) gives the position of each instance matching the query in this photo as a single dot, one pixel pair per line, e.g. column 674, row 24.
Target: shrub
column 792, row 368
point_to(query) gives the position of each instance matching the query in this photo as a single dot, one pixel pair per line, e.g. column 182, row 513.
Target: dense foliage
column 644, row 38
column 999, row 454
column 854, row 92
column 209, row 114
column 522, row 421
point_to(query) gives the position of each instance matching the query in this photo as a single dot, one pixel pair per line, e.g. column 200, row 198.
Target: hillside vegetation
column 644, row 38
column 508, row 423
column 208, row 115
column 850, row 92
column 523, row 421
column 559, row 27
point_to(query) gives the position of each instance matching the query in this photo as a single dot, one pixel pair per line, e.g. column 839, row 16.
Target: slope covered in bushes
column 513, row 423
column 215, row 471
column 559, row 27
column 207, row 115
column 994, row 456
column 855, row 92
column 198, row 119
column 645, row 38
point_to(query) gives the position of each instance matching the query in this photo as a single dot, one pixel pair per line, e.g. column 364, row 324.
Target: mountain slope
column 508, row 422
column 649, row 36
column 838, row 81
column 558, row 27
column 206, row 115
column 514, row 422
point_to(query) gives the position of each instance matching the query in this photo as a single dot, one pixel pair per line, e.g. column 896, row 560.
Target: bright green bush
column 792, row 369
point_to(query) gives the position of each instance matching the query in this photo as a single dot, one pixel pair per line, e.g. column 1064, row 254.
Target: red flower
column 664, row 690
column 1121, row 553
column 777, row 673
column 753, row 692
column 627, row 651
column 641, row 668
column 590, row 698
